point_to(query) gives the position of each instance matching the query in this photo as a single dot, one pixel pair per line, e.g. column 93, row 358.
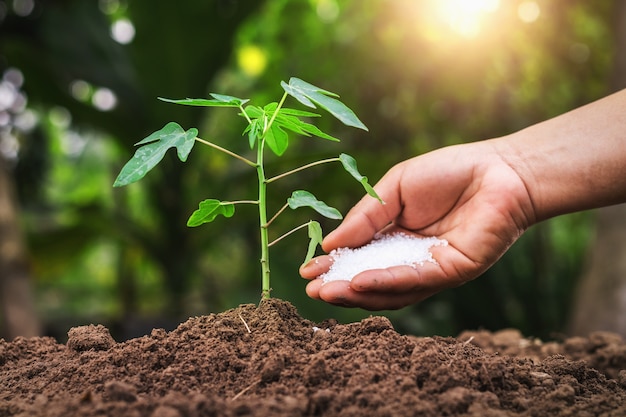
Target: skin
column 480, row 197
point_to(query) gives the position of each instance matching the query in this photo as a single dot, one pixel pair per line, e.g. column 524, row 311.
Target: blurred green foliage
column 416, row 77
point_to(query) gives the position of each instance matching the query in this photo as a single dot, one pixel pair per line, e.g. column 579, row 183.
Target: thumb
column 369, row 216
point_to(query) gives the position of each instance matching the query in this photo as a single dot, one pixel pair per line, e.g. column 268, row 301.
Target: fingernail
column 308, row 264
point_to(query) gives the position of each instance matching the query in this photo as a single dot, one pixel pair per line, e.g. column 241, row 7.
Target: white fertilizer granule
column 383, row 252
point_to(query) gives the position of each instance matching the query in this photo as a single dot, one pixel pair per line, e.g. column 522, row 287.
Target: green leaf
column 270, row 108
column 153, row 150
column 315, row 236
column 254, row 130
column 298, row 126
column 303, row 198
column 208, row 210
column 290, row 122
column 349, row 164
column 219, row 100
column 313, row 130
column 253, row 112
column 229, row 99
column 310, row 96
column 288, row 119
column 299, row 113
column 277, row 139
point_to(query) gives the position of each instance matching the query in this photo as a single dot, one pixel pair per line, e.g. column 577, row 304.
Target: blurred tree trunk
column 16, row 298
column 600, row 302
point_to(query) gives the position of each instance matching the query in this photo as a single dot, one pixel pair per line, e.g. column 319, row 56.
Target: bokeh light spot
column 528, row 11
column 60, row 117
column 104, row 99
column 327, row 10
column 23, row 8
column 8, row 94
column 26, row 120
column 14, row 76
column 123, row 31
column 80, row 90
column 252, row 60
column 109, row 7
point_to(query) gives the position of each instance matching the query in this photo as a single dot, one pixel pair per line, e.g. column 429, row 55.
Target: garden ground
column 269, row 361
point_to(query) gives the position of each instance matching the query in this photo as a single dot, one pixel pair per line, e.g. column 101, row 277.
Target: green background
column 416, row 77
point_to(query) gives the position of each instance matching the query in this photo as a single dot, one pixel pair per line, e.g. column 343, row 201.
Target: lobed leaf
column 303, row 198
column 219, row 100
column 254, row 131
column 315, row 236
column 277, row 139
column 315, row 131
column 153, row 150
column 288, row 119
column 299, row 113
column 310, row 96
column 253, row 112
column 208, row 210
column 229, row 99
column 298, row 126
column 255, row 128
column 349, row 164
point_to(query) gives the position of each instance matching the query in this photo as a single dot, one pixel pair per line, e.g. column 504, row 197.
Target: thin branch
column 283, row 208
column 226, row 151
column 278, row 239
column 245, row 114
column 280, row 104
column 240, row 202
column 303, row 167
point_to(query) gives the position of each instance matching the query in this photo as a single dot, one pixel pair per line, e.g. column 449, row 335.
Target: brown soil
column 268, row 361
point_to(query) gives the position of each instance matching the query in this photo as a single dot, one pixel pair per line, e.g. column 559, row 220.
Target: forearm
column 575, row 161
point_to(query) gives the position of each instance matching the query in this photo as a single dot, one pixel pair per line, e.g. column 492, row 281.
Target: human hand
column 466, row 194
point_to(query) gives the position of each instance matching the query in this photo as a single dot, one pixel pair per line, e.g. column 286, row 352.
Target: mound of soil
column 268, row 361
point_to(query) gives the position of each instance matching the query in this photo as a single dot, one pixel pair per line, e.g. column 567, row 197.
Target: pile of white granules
column 382, row 252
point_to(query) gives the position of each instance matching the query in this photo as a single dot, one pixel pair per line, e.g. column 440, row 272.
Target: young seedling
column 266, row 128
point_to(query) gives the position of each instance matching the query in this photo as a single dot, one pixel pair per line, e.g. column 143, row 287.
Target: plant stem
column 295, row 229
column 293, row 171
column 265, row 261
column 240, row 202
column 265, row 258
column 226, row 151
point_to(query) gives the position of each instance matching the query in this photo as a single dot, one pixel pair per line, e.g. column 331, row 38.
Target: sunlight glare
column 528, row 11
column 465, row 16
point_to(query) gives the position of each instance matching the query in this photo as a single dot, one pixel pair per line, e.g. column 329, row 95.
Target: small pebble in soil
column 317, row 329
column 383, row 252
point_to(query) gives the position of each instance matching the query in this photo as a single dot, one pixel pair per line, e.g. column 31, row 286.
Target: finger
column 314, row 287
column 395, row 279
column 316, row 267
column 340, row 293
column 450, row 269
column 368, row 216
